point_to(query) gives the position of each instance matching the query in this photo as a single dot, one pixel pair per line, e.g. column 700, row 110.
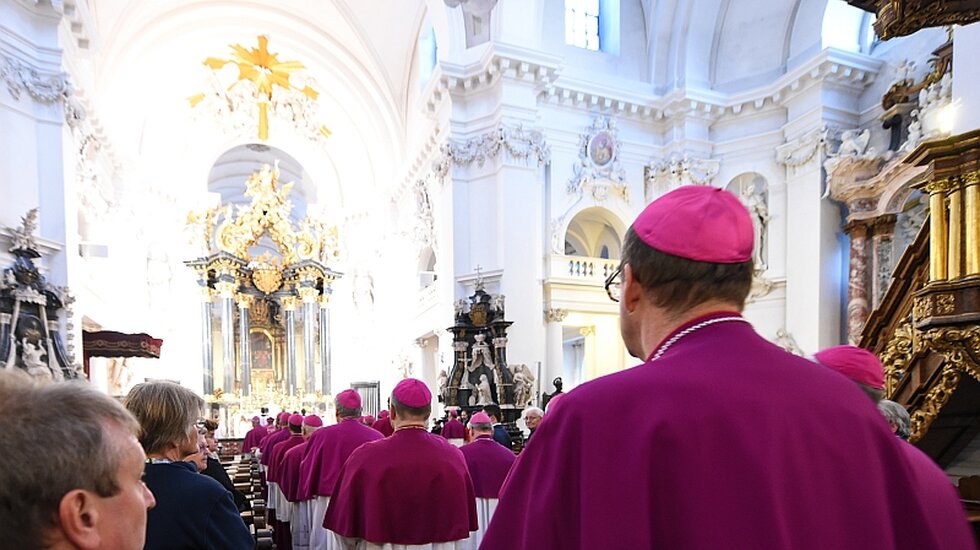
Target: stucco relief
column 659, row 177
column 597, row 171
column 43, row 88
column 800, row 151
column 517, row 142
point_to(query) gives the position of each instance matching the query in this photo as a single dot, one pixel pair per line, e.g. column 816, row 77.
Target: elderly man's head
column 89, row 491
column 897, row 416
column 532, row 417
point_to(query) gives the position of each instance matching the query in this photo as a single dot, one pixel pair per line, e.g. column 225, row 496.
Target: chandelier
column 263, row 87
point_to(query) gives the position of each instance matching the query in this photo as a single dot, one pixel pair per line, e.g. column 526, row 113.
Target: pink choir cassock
column 383, row 425
column 274, row 477
column 488, row 463
column 454, row 430
column 253, row 438
column 940, row 497
column 731, row 442
column 297, row 499
column 410, row 489
column 326, row 452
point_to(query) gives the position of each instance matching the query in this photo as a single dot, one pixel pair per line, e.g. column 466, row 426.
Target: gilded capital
column 308, row 294
column 970, row 178
column 289, row 303
column 244, row 301
column 226, row 289
column 324, row 301
column 941, row 185
column 586, row 331
column 207, row 294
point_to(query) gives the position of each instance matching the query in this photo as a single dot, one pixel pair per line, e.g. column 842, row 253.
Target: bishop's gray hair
column 897, row 416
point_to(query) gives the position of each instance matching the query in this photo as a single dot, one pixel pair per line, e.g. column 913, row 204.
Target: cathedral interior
column 269, row 202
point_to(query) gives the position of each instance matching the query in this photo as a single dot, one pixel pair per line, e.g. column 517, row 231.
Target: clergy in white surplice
column 326, row 452
column 488, row 463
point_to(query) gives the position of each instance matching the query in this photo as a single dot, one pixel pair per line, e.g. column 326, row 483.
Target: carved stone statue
column 523, row 384
column 120, row 375
column 915, row 133
column 483, row 395
column 854, row 143
column 443, row 381
column 31, row 356
column 755, row 202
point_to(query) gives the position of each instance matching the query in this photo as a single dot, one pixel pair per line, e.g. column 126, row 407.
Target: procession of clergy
column 720, row 439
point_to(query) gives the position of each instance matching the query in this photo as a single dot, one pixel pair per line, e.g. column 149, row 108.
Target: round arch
column 594, row 232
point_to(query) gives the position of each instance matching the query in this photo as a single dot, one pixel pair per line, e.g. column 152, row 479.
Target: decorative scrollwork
column 897, row 357
column 959, row 347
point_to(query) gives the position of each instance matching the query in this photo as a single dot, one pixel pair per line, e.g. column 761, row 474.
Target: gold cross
column 264, row 69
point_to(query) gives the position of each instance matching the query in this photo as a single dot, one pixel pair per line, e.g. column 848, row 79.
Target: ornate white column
column 289, row 304
column 226, row 294
column 244, row 302
column 555, row 358
column 207, row 342
column 309, row 295
column 324, row 302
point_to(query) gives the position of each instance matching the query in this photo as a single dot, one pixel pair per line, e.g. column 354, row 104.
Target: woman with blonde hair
column 192, row 511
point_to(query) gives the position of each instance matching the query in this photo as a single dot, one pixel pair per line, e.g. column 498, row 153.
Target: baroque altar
column 268, row 343
column 30, row 307
column 480, row 374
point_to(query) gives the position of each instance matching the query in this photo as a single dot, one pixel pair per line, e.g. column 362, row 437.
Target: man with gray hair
column 489, row 463
column 88, row 494
column 897, row 417
column 532, row 417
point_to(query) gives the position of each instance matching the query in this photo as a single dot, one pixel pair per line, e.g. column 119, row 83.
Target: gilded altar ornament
column 263, row 70
column 266, row 273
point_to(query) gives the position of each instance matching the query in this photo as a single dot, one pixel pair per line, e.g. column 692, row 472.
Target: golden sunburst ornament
column 264, row 70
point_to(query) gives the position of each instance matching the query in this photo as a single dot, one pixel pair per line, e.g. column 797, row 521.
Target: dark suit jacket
column 501, row 436
column 193, row 511
column 218, row 473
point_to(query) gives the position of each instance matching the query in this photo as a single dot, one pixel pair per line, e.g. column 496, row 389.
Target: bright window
column 582, row 23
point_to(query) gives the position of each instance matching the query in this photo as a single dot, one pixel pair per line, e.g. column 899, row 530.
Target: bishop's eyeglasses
column 614, row 283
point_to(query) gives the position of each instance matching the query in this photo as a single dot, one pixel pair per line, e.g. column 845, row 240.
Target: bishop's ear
column 632, row 292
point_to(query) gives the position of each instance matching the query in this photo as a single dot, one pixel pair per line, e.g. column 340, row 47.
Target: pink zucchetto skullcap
column 413, row 393
column 454, row 413
column 858, row 364
column 311, row 420
column 698, row 222
column 283, row 417
column 296, row 420
column 349, row 399
column 256, row 419
column 383, row 414
column 480, row 418
column 368, row 420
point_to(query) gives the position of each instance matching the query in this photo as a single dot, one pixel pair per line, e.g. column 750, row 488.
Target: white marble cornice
column 850, row 71
column 500, row 61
